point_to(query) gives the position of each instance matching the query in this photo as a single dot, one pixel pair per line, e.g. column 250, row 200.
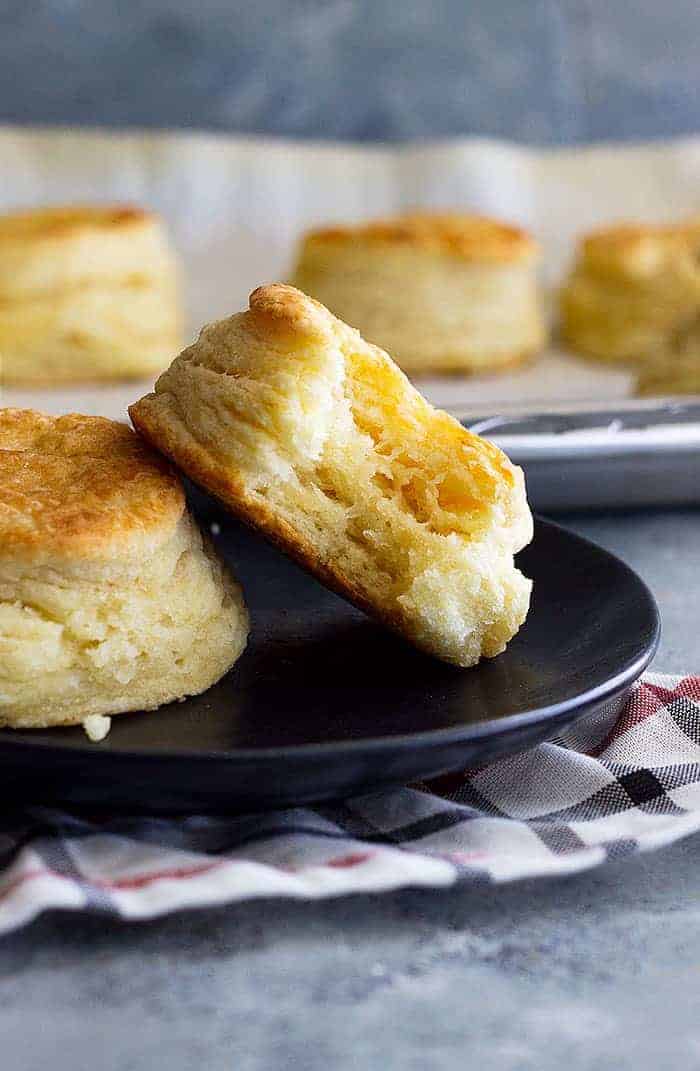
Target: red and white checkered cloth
column 598, row 791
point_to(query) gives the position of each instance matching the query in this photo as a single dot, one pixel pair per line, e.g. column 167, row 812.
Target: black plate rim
column 464, row 734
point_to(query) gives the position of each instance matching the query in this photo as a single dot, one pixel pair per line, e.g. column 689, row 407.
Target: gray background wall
column 539, row 71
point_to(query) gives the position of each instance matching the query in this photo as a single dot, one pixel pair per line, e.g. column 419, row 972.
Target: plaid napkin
column 627, row 782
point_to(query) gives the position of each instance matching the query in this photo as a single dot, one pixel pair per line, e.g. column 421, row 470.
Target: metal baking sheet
column 632, row 454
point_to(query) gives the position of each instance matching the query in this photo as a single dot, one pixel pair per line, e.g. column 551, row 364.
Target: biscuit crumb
column 96, row 727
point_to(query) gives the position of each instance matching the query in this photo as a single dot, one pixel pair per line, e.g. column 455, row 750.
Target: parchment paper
column 236, row 206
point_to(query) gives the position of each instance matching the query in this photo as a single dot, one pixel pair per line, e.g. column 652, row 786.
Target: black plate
column 324, row 703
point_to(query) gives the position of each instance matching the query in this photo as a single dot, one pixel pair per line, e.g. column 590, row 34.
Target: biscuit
column 86, row 294
column 633, row 295
column 681, row 376
column 110, row 599
column 316, row 438
column 441, row 293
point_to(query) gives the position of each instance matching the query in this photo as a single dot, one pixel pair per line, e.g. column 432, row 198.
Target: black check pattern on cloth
column 624, row 782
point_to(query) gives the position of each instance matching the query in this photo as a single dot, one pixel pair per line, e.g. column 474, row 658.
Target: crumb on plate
column 96, row 727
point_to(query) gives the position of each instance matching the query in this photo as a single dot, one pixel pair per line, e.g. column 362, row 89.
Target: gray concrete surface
column 596, row 971
column 599, row 972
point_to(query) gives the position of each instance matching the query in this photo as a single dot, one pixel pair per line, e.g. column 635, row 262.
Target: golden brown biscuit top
column 285, row 320
column 81, row 487
column 465, row 236
column 281, row 307
column 639, row 250
column 65, row 221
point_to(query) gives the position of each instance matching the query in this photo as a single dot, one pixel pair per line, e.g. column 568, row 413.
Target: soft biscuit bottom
column 317, row 439
column 628, row 328
column 92, row 334
column 681, row 376
column 102, row 639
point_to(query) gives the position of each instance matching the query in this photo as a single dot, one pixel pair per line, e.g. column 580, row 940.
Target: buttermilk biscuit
column 441, row 293
column 109, row 598
column 86, row 293
column 317, row 439
column 634, row 294
column 680, row 376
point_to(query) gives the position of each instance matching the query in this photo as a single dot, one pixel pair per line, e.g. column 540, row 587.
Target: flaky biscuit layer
column 87, row 293
column 633, row 295
column 316, row 438
column 110, row 600
column 440, row 293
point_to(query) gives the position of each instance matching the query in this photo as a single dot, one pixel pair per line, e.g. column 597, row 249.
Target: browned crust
column 65, row 221
column 291, row 309
column 634, row 249
column 80, row 486
column 469, row 237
